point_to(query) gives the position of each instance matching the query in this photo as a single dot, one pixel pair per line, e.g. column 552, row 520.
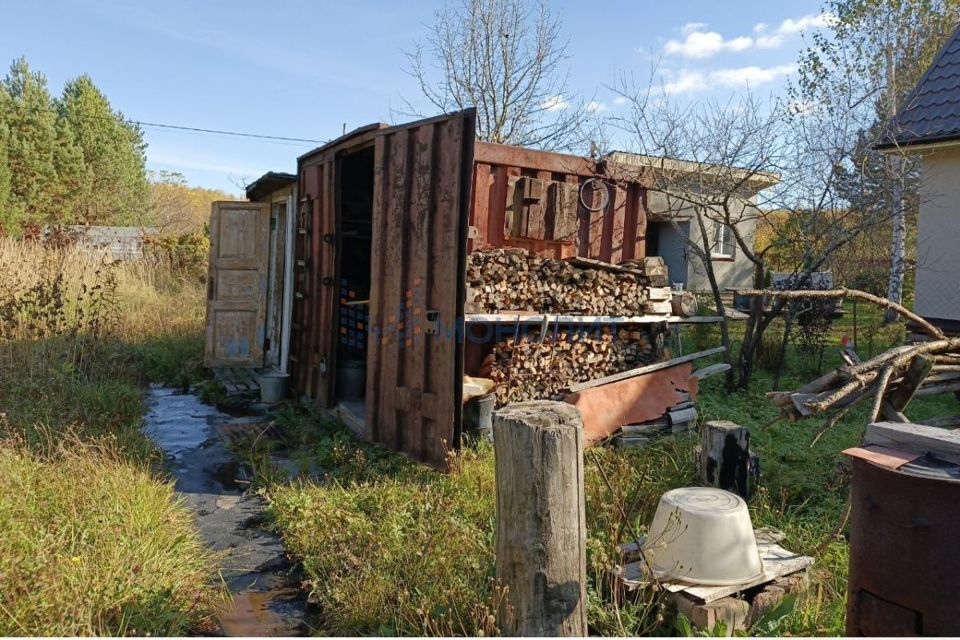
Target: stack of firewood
column 516, row 279
column 539, row 365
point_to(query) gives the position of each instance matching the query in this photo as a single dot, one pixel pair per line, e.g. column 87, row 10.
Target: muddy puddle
column 266, row 600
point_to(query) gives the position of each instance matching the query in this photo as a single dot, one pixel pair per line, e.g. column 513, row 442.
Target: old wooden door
column 237, row 284
column 422, row 180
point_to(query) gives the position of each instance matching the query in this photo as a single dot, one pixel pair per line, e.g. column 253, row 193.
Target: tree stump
column 541, row 521
column 724, row 460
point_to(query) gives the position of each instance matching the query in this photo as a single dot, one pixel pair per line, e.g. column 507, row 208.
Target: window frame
column 718, row 243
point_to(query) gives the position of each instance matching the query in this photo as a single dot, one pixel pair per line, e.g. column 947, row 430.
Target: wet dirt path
column 265, row 603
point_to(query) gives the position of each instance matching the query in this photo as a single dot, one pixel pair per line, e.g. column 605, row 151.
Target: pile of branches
column 890, row 380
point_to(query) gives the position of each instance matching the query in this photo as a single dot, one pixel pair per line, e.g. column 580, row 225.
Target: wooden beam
column 915, row 438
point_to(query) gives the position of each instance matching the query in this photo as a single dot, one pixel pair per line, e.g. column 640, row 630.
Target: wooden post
column 541, row 521
column 724, row 460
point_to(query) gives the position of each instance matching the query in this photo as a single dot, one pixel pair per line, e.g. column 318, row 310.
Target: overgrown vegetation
column 392, row 547
column 91, row 542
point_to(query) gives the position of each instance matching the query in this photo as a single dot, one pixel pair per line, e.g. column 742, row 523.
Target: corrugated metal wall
column 415, row 352
column 614, row 233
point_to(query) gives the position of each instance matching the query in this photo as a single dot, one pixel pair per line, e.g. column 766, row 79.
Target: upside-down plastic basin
column 704, row 536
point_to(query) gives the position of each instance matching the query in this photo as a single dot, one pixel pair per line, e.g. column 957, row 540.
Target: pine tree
column 113, row 152
column 6, row 205
column 36, row 147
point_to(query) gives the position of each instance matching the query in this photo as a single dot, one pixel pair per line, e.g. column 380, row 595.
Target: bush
column 91, row 544
column 186, row 253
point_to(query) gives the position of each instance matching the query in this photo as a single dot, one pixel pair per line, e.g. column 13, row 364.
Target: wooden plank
column 777, row 562
column 392, row 263
column 640, row 371
column 377, row 311
column 615, row 224
column 480, row 213
column 327, row 295
column 917, row 438
column 711, row 370
column 420, row 230
column 946, row 422
column 496, row 230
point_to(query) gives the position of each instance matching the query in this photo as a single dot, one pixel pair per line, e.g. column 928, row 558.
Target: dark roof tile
column 931, row 113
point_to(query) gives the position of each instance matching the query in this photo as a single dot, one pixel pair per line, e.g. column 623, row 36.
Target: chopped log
column 724, row 460
column 541, row 519
column 684, row 304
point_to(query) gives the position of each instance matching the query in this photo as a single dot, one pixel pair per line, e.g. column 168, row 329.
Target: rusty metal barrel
column 904, row 549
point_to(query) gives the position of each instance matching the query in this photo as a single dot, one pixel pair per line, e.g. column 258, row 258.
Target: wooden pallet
column 238, row 381
column 739, row 605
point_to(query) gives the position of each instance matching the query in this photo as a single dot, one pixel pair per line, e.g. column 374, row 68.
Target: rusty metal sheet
column 639, row 399
column 904, row 569
column 883, row 456
column 422, row 185
column 615, row 232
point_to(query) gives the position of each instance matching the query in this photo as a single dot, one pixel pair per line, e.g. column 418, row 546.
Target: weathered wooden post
column 541, row 521
column 724, row 460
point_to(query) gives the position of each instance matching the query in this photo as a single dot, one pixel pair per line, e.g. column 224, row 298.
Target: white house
column 928, row 124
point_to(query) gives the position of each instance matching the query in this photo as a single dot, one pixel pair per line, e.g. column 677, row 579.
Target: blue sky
column 305, row 68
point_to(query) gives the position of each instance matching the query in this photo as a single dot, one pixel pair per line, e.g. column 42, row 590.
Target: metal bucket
column 351, row 379
column 273, row 387
column 478, row 415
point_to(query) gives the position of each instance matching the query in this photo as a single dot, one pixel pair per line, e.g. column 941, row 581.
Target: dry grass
column 91, row 542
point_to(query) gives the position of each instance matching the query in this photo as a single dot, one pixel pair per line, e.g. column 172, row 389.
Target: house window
column 723, row 247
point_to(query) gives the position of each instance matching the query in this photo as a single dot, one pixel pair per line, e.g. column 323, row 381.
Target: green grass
column 92, row 541
column 392, row 547
column 91, row 544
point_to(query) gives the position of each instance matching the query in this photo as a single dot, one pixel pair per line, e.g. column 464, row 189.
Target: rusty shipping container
column 904, row 567
column 386, row 218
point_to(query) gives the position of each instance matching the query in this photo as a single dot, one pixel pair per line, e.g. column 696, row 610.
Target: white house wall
column 938, row 236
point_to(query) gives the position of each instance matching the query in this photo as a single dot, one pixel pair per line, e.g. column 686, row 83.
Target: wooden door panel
column 420, row 219
column 237, row 285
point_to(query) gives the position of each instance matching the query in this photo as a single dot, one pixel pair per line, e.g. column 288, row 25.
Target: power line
column 224, row 133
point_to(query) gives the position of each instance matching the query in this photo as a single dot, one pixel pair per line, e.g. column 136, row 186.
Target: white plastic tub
column 704, row 536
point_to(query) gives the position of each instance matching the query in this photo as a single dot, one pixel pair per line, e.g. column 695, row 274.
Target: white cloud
column 685, row 82
column 810, row 21
column 620, row 101
column 751, row 76
column 691, row 27
column 700, row 43
column 789, row 27
column 555, row 103
column 688, row 81
column 705, row 44
column 596, row 107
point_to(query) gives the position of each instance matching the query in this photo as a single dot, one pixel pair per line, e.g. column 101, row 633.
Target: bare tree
column 727, row 167
column 506, row 58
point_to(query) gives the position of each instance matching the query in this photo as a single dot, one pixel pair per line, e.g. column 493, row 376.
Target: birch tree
column 870, row 58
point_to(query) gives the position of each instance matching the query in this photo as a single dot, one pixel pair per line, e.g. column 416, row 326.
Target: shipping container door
column 422, row 180
column 237, row 284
